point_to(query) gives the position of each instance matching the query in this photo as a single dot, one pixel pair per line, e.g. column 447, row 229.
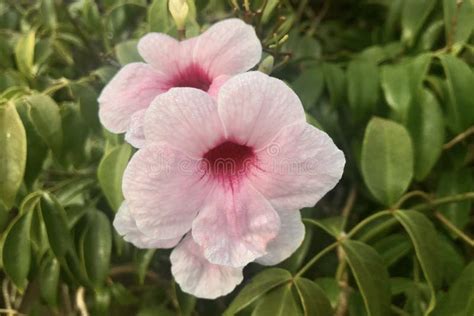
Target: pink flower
column 230, row 175
column 203, row 62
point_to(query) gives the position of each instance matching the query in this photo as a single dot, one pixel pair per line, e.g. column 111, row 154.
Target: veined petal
column 155, row 182
column 255, row 107
column 185, row 118
column 126, row 227
column 235, row 225
column 197, row 276
column 298, row 167
column 132, row 89
column 135, row 135
column 227, row 48
column 289, row 238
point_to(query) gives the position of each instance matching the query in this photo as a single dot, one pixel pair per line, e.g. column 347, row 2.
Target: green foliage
column 389, row 80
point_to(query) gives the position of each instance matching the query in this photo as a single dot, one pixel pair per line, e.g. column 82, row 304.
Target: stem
column 459, row 138
column 378, row 229
column 444, row 200
column 367, row 220
column 346, row 211
column 454, row 229
column 409, row 195
column 315, row 259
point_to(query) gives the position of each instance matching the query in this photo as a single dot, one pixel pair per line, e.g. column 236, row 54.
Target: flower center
column 192, row 76
column 229, row 160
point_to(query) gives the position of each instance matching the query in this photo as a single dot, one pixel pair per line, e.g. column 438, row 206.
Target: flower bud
column 179, row 11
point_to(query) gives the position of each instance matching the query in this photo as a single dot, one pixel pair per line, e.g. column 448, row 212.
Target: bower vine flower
column 204, row 62
column 222, row 180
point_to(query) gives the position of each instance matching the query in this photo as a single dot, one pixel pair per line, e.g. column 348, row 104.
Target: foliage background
column 390, row 80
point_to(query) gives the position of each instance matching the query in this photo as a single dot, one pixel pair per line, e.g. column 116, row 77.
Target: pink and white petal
column 160, row 51
column 135, row 135
column 289, row 238
column 126, row 227
column 131, row 89
column 235, row 225
column 185, row 118
column 197, row 276
column 298, row 167
column 217, row 84
column 164, row 189
column 227, row 48
column 255, row 107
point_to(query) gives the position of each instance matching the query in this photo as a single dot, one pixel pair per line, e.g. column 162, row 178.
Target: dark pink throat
column 192, row 76
column 229, row 160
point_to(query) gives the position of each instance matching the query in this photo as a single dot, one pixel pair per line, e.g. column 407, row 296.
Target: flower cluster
column 226, row 159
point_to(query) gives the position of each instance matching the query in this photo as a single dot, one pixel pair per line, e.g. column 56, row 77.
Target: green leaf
column 110, row 172
column 309, row 86
column 46, row 118
column 278, row 302
column 331, row 289
column 260, row 284
column 456, row 182
column 431, row 35
column 363, row 87
column 386, row 160
column 269, row 8
column 458, row 21
column 49, row 280
column 331, row 225
column 127, row 52
column 452, row 259
column 158, row 18
column 313, row 299
column 37, row 148
column 187, row 302
column 414, row 14
column 25, row 52
column 426, row 127
column 425, row 240
column 460, row 298
column 392, row 248
column 48, row 13
column 335, row 79
column 55, row 220
column 97, row 247
column 397, row 89
column 75, row 131
column 87, row 98
column 371, row 276
column 460, row 112
column 16, row 256
column 13, row 153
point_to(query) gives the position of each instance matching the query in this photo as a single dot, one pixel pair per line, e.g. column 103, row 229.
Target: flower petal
column 255, row 107
column 160, row 51
column 235, row 225
column 227, row 48
column 135, row 135
column 197, row 276
column 164, row 189
column 185, row 118
column 217, row 84
column 289, row 238
column 126, row 227
column 298, row 167
column 132, row 89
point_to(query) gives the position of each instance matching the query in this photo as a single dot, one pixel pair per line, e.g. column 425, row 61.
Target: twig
column 459, row 138
column 80, row 302
column 444, row 200
column 6, row 295
column 454, row 229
